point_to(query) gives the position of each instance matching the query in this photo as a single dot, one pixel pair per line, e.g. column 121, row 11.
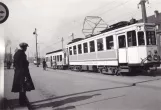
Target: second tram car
column 57, row 59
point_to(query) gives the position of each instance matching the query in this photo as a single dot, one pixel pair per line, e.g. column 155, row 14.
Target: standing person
column 22, row 81
column 44, row 64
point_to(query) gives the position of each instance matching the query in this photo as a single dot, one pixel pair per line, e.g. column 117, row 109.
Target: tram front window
column 150, row 37
column 141, row 40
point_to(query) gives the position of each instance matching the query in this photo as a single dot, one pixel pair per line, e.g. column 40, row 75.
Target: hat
column 23, row 44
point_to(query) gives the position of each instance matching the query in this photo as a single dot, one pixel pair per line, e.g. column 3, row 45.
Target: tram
column 124, row 49
column 121, row 48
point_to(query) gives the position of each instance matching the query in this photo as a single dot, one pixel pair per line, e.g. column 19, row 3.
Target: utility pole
column 28, row 56
column 10, row 55
column 143, row 8
column 35, row 33
column 158, row 28
column 62, row 40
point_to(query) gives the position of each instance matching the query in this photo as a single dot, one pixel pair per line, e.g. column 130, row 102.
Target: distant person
column 22, row 81
column 44, row 64
column 9, row 64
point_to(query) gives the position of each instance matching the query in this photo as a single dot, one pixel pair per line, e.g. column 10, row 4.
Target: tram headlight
column 149, row 58
column 155, row 57
column 155, row 51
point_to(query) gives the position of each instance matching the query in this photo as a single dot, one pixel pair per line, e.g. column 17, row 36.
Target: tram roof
column 112, row 30
column 54, row 51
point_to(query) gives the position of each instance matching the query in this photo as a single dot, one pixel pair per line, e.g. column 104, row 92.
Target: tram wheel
column 116, row 72
column 100, row 70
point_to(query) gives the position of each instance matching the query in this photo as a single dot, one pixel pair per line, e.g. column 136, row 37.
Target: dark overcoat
column 21, row 73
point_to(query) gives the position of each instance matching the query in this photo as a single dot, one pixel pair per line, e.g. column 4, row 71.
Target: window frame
column 74, row 50
column 132, row 41
column 139, row 38
column 70, row 51
column 86, row 47
column 98, row 49
column 108, row 43
column 92, row 47
column 60, row 57
column 79, row 45
column 124, row 42
column 152, row 38
column 55, row 58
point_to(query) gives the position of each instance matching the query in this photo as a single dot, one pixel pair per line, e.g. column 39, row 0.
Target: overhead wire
column 99, row 14
column 133, row 14
column 115, row 7
column 94, row 11
column 107, row 10
column 101, row 7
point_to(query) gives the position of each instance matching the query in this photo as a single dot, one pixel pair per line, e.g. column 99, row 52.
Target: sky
column 55, row 19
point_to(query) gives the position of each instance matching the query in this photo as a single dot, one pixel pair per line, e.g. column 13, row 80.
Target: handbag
column 27, row 84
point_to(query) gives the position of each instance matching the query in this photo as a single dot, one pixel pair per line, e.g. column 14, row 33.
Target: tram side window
column 131, row 36
column 141, row 40
column 55, row 58
column 122, row 41
column 85, row 47
column 60, row 57
column 46, row 59
column 92, row 46
column 150, row 37
column 70, row 50
column 79, row 49
column 51, row 58
column 100, row 44
column 109, row 42
column 74, row 50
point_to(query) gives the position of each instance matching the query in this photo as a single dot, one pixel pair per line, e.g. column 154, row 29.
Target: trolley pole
column 72, row 36
column 35, row 33
column 143, row 8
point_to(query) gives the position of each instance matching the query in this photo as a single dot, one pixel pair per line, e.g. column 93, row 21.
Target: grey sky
column 60, row 18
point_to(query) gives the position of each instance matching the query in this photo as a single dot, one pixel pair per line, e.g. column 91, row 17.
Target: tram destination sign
column 149, row 27
column 4, row 12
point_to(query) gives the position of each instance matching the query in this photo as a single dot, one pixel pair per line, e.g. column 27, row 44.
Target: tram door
column 51, row 61
column 65, row 58
column 122, row 48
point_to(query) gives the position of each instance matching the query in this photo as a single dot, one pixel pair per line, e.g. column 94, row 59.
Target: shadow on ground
column 55, row 104
column 66, row 108
column 79, row 93
column 137, row 73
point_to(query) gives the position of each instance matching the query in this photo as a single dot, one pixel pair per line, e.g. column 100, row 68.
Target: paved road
column 68, row 90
